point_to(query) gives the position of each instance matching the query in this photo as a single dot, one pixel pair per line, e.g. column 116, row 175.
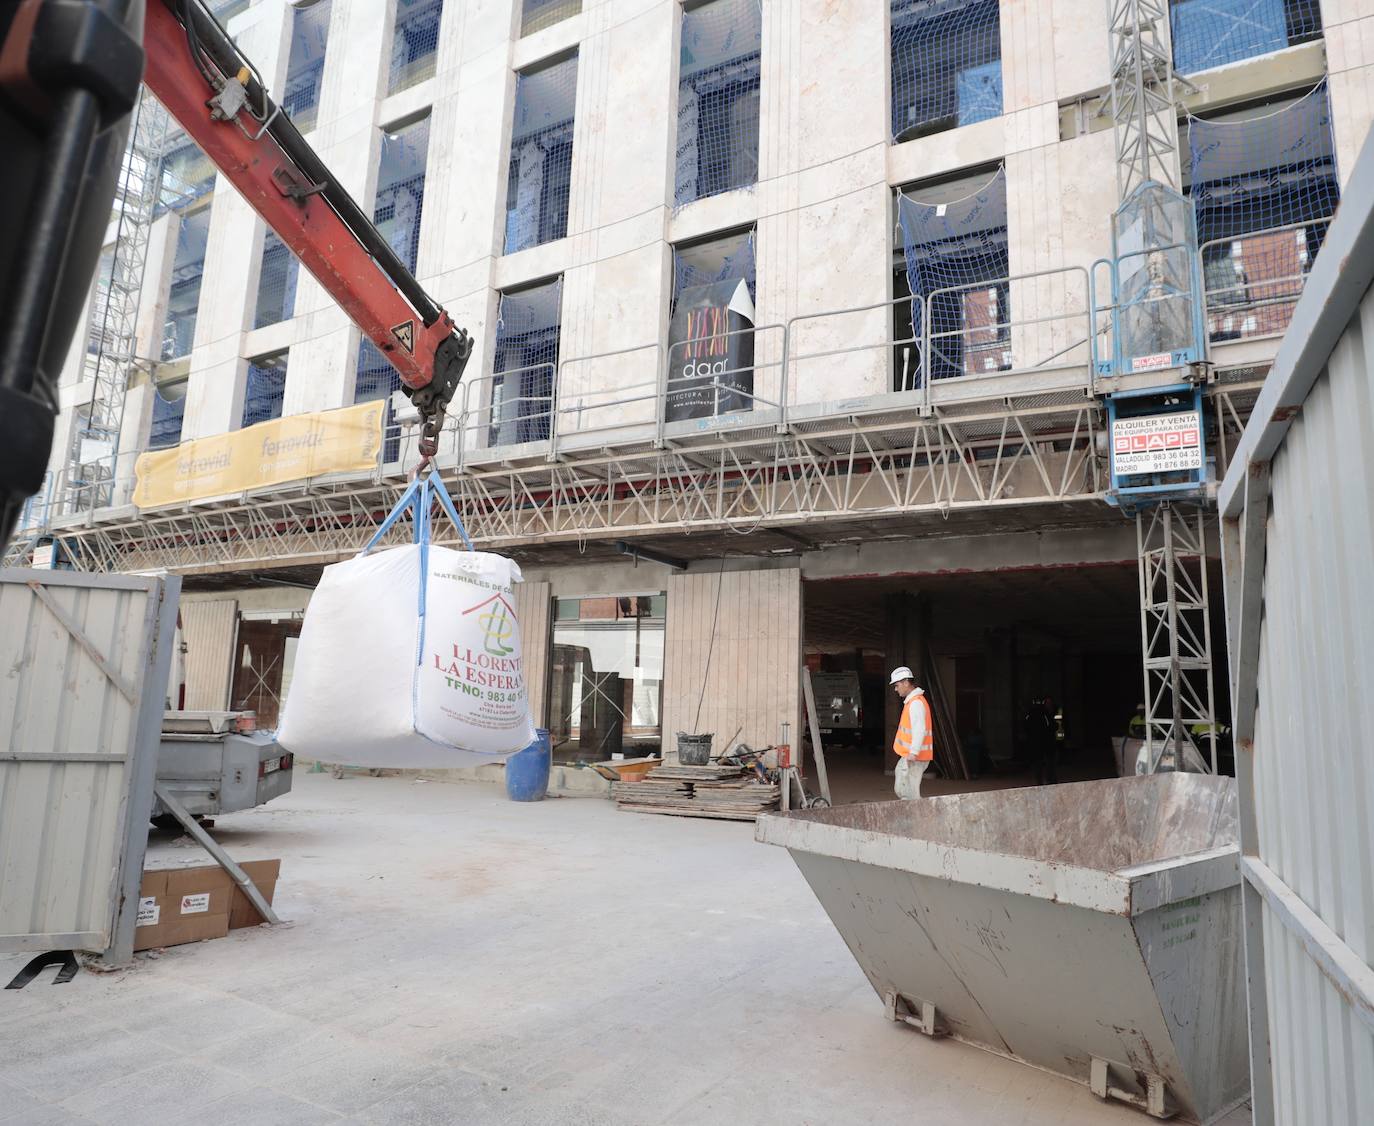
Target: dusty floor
column 453, row 957
column 858, row 776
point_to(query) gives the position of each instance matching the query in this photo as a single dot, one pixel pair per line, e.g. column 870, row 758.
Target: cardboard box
column 179, row 905
column 264, row 874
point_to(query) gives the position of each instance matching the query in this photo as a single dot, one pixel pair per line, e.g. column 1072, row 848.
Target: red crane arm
column 196, row 71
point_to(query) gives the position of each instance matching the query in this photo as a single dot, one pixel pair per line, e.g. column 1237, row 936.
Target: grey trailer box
column 1092, row 930
column 214, row 768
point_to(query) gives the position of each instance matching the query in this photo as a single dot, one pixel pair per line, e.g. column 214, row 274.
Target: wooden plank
column 817, row 749
column 758, row 636
column 716, row 815
column 534, row 611
column 209, row 629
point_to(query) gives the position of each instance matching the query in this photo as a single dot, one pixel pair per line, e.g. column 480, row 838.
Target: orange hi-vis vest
column 905, row 730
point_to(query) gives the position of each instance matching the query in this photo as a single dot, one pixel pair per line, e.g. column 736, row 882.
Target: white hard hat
column 901, row 672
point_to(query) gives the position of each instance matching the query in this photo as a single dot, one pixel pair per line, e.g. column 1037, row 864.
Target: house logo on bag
column 498, row 624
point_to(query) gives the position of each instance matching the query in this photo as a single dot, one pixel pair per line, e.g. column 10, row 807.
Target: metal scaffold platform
column 998, row 464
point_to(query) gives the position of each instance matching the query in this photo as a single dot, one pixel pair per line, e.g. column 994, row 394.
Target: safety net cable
column 956, row 271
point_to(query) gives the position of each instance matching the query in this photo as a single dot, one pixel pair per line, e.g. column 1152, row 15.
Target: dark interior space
column 984, row 646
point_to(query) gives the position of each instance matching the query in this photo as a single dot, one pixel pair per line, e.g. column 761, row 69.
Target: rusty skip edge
column 1125, row 892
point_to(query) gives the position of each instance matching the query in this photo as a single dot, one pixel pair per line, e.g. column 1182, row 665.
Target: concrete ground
column 452, row 957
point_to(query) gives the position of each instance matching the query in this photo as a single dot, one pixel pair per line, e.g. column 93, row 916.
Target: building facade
column 791, row 320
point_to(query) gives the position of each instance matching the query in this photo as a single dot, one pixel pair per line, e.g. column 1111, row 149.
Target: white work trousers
column 909, row 772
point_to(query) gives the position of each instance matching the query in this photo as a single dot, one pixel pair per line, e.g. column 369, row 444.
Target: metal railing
column 585, row 414
column 497, row 412
column 724, row 391
column 864, row 359
column 1003, row 342
column 868, row 345
column 1252, row 282
column 961, row 337
column 37, row 512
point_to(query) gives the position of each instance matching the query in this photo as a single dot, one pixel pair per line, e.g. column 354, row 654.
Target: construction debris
column 726, row 792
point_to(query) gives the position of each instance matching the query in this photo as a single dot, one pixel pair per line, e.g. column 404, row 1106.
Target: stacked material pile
column 726, row 792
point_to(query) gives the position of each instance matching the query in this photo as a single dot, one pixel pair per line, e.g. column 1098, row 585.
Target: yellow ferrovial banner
column 270, row 453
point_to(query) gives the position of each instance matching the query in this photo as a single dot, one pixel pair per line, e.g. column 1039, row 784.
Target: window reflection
column 607, row 677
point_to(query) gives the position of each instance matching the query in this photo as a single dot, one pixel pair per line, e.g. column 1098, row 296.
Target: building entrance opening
column 262, row 672
column 1033, row 674
column 607, row 689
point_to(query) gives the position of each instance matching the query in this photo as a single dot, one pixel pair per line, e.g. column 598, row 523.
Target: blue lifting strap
column 420, row 495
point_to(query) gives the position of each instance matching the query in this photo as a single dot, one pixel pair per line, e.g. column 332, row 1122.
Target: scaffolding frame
column 1175, row 626
column 1175, row 632
column 1144, row 106
column 828, row 477
column 93, row 454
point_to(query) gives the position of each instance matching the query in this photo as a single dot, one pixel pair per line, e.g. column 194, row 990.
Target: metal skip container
column 1092, row 930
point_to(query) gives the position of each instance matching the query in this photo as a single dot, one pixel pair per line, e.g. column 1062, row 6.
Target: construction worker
column 1136, row 728
column 1200, row 731
column 915, row 741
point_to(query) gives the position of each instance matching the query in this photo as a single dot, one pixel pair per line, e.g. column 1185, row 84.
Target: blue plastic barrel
column 527, row 771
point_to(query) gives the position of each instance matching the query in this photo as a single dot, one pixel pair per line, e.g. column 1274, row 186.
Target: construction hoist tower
column 1157, row 431
column 92, row 459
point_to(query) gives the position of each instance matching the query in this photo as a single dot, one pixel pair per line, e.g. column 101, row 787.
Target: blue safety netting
column 720, row 259
column 1211, row 33
column 414, row 43
column 401, row 189
column 183, row 298
column 526, row 364
column 1263, row 190
column 946, row 65
column 1269, row 170
column 535, row 15
column 185, row 174
column 377, row 379
column 265, row 390
column 961, row 244
column 276, row 283
column 168, row 413
column 305, row 65
column 541, row 146
column 718, row 99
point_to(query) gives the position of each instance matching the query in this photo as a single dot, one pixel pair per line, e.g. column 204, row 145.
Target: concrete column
column 157, row 270
column 465, row 183
column 1060, row 194
column 465, row 189
column 228, row 292
column 823, row 239
column 999, row 703
column 133, row 432
column 1348, row 27
column 618, row 269
column 325, row 349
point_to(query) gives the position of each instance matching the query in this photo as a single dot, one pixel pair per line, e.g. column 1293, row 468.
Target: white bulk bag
column 410, row 657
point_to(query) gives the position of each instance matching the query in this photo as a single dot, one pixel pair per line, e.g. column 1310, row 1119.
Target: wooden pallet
column 716, row 814
column 725, row 792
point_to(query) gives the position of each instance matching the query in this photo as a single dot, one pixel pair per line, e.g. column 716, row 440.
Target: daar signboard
column 270, row 453
column 1157, row 443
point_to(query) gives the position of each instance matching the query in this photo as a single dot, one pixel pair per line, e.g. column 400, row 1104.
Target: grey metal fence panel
column 1298, row 524
column 86, row 659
